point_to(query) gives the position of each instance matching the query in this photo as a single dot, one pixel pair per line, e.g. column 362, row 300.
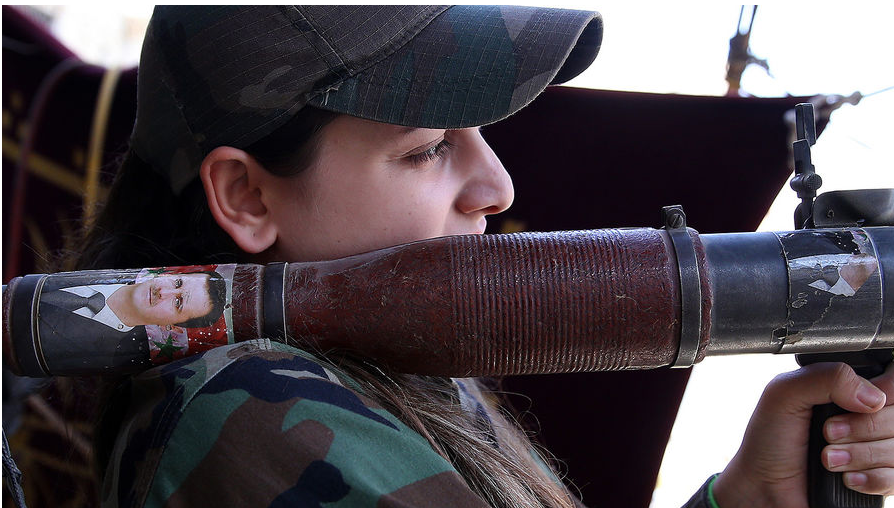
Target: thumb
column 773, row 457
column 822, row 383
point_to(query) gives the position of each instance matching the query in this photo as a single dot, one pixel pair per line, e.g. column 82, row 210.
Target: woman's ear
column 233, row 185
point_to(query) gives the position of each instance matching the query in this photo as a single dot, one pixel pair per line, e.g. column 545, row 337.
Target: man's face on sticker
column 172, row 298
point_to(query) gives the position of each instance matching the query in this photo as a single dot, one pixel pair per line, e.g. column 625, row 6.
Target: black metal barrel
column 813, row 290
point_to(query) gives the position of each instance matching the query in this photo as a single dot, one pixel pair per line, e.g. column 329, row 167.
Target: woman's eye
column 435, row 152
column 178, row 303
column 178, row 283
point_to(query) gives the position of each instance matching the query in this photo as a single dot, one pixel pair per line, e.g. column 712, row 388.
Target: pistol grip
column 826, row 489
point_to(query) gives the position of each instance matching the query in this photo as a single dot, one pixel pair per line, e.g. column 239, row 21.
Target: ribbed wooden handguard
column 457, row 306
column 497, row 304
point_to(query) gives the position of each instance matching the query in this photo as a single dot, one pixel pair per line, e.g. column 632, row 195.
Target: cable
column 13, row 476
column 34, row 118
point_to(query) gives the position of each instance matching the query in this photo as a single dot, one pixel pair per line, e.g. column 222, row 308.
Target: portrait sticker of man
column 102, row 318
column 168, row 341
column 188, row 300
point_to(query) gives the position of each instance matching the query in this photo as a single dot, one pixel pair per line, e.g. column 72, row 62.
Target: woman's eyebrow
column 406, row 131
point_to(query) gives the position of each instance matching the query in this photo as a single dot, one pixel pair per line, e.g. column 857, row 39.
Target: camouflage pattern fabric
column 263, row 424
column 229, row 75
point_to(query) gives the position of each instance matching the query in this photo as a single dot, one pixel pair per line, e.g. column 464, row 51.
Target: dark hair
column 217, row 293
column 126, row 233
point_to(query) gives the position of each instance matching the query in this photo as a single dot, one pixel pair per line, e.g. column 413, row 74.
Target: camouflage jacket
column 193, row 437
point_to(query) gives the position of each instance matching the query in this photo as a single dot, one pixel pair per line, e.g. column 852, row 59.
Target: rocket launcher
column 478, row 305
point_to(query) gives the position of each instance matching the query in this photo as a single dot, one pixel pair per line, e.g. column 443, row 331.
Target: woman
column 280, row 133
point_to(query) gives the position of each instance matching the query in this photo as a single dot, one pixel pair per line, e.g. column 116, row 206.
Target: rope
column 12, row 475
column 35, row 116
column 97, row 141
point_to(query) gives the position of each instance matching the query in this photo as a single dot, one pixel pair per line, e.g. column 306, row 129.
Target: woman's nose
column 488, row 188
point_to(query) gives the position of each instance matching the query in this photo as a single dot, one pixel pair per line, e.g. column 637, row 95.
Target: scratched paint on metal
column 833, row 276
column 839, row 274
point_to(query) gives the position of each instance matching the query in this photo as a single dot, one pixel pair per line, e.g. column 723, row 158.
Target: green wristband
column 711, row 501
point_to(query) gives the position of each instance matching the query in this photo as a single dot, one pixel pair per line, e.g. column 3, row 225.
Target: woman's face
column 374, row 185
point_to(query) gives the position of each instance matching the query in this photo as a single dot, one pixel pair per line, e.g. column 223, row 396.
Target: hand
column 770, row 468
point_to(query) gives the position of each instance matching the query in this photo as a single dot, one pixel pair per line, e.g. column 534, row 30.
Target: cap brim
column 472, row 65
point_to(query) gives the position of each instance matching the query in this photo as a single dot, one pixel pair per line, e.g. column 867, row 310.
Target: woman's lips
column 476, row 228
column 482, row 226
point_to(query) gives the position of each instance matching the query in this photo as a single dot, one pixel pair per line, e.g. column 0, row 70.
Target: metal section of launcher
column 690, row 285
column 805, row 182
column 847, row 272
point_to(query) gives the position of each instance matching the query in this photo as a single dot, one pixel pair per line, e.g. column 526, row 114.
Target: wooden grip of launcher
column 455, row 306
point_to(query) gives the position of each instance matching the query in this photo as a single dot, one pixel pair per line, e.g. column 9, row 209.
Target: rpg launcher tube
column 480, row 304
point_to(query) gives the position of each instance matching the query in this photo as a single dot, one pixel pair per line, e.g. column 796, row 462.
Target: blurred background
column 842, row 51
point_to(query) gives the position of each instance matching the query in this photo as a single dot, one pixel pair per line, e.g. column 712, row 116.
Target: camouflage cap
column 229, row 75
